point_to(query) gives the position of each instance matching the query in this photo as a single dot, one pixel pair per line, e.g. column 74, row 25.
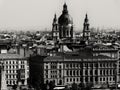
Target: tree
column 74, row 86
column 14, row 87
column 51, row 85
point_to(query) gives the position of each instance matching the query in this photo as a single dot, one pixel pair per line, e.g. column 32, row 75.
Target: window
column 86, row 72
column 6, row 67
column 86, row 79
column 13, row 62
column 81, row 72
column 60, row 66
column 86, row 65
column 10, row 67
column 13, row 82
column 70, row 65
column 96, row 65
column 113, row 79
column 70, row 72
column 13, row 76
column 103, row 64
column 74, row 72
column 60, row 71
column 91, row 72
column 67, row 72
column 81, row 79
column 74, row 65
column 59, row 76
column 67, row 80
column 7, row 76
column 107, row 72
column 22, row 62
column 17, row 67
column 104, row 79
column 6, row 71
column 77, row 65
column 10, row 76
column 74, row 79
column 16, row 62
column 100, row 72
column 91, row 79
column 46, row 76
column 10, row 62
column 77, row 79
column 6, row 62
column 110, row 79
column 96, row 79
column 96, row 72
column 100, row 79
column 113, row 72
column 91, row 65
column 103, row 72
column 77, row 73
column 6, row 82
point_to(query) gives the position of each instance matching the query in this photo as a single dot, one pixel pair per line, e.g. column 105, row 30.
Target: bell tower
column 86, row 31
column 55, row 31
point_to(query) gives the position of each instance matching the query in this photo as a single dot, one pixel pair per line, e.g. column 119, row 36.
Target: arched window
column 60, row 82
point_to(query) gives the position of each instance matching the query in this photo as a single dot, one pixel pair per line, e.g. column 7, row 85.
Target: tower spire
column 86, row 18
column 55, row 18
column 65, row 8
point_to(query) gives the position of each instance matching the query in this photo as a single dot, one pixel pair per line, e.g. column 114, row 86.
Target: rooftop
column 11, row 56
column 79, row 57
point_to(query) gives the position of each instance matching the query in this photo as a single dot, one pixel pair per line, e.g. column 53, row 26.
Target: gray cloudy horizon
column 31, row 14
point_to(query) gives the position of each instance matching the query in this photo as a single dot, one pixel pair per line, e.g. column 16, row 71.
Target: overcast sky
column 30, row 14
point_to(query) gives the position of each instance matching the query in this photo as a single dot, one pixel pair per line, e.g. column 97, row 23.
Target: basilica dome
column 65, row 18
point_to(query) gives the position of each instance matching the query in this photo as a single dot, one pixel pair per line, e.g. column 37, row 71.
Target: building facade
column 82, row 68
column 16, row 69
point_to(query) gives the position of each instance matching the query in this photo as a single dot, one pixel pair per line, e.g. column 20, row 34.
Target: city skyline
column 31, row 14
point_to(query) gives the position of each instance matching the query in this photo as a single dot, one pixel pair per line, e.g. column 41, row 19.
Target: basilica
column 87, row 62
column 62, row 30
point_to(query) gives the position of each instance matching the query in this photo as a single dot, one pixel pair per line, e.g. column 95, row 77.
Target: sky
column 38, row 14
